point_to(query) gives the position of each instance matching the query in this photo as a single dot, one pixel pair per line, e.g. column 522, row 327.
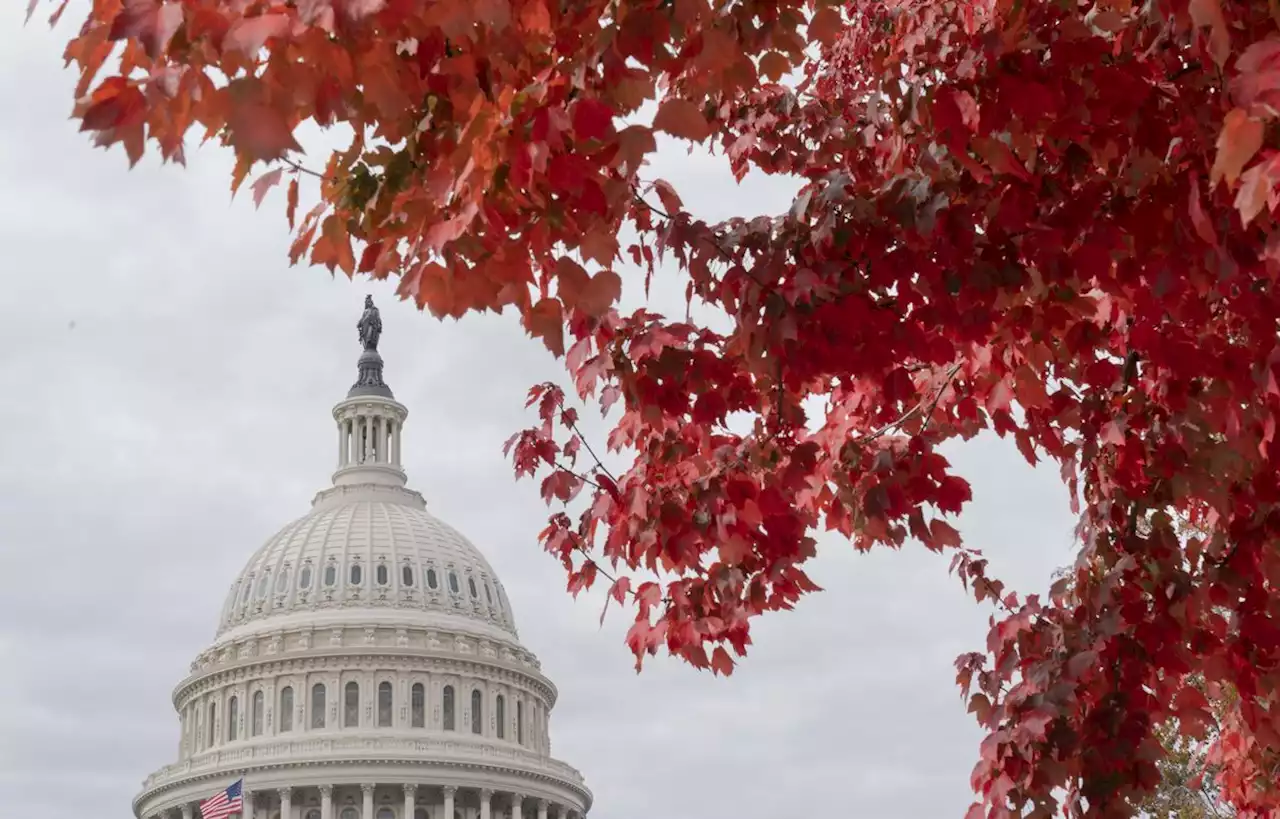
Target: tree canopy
column 1051, row 219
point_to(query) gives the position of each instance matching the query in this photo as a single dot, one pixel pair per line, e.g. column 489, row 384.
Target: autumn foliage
column 1046, row 218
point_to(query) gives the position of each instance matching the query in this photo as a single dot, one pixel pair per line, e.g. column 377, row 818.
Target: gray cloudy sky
column 165, row 385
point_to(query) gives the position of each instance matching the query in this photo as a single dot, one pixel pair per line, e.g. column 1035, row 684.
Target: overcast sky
column 165, row 386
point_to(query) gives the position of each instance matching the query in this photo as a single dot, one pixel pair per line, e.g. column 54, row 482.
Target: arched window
column 330, row 574
column 519, row 722
column 233, row 719
column 244, row 590
column 500, row 715
column 384, row 705
column 258, row 707
column 431, row 578
column 213, row 724
column 406, row 576
column 286, row 709
column 477, row 711
column 282, row 581
column 351, row 706
column 382, row 575
column 263, row 585
column 355, row 575
column 350, row 813
column 304, row 577
column 386, row 813
column 471, row 586
column 448, row 707
column 421, row 813
column 317, row 705
column 418, row 706
column 488, row 593
column 314, row 813
column 453, row 582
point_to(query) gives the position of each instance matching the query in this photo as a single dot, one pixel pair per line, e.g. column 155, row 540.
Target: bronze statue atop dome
column 370, row 325
column 369, row 380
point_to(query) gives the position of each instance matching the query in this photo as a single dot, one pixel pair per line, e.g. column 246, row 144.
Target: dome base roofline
column 345, row 493
column 177, row 784
column 381, row 474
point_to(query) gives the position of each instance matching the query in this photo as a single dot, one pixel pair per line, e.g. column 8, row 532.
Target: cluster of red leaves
column 1048, row 219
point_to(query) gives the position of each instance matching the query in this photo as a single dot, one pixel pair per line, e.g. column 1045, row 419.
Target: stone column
column 286, row 803
column 395, row 443
column 485, row 796
column 366, row 810
column 410, row 798
column 186, row 811
column 342, row 444
column 326, row 802
column 247, row 813
column 517, row 802
column 449, row 791
column 542, row 809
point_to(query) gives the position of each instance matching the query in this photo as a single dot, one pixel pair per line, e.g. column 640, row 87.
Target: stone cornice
column 293, row 756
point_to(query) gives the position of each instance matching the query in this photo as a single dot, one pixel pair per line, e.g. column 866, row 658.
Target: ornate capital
column 542, row 804
column 450, row 790
column 486, row 794
column 326, row 791
column 367, row 787
column 286, row 793
column 410, row 791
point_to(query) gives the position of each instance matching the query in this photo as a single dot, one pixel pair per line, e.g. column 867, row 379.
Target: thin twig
column 303, row 169
column 582, row 478
column 599, row 463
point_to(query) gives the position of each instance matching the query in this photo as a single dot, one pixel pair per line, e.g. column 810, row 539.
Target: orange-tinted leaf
column 114, row 105
column 635, row 142
column 546, row 321
column 591, row 295
column 1204, row 228
column 256, row 128
column 600, row 246
column 825, row 25
column 681, row 118
column 944, row 534
column 775, row 66
column 292, row 207
column 1239, row 140
column 670, row 200
column 1251, row 198
column 249, row 35
column 534, row 18
column 1208, row 14
column 721, row 662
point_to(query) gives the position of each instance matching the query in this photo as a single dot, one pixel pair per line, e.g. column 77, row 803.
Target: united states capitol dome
column 366, row 663
column 375, row 548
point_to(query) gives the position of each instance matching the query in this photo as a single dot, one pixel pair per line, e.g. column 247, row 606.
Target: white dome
column 366, row 663
column 368, row 547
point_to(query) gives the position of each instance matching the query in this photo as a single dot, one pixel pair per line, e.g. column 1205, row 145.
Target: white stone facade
column 367, row 666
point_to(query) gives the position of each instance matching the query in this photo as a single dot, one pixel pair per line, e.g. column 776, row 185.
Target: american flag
column 224, row 803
